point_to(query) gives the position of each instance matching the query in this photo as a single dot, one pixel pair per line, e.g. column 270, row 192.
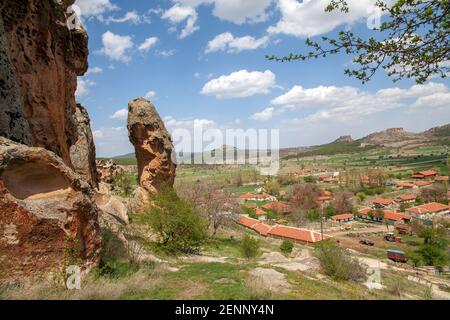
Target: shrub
column 124, row 184
column 178, row 226
column 337, row 264
column 287, row 247
column 249, row 247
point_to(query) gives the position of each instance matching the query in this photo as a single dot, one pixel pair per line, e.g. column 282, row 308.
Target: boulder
column 48, row 216
column 154, row 149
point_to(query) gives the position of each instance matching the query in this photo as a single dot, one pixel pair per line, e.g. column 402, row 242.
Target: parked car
column 367, row 242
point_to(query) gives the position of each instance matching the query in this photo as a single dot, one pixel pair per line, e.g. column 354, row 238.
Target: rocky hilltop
column 344, row 139
column 388, row 136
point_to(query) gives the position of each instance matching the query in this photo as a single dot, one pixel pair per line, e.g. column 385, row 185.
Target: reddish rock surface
column 46, row 58
column 46, row 210
column 107, row 169
column 153, row 145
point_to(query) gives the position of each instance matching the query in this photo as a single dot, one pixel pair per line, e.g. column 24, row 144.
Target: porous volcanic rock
column 107, row 169
column 153, row 145
column 46, row 211
column 82, row 153
column 46, row 57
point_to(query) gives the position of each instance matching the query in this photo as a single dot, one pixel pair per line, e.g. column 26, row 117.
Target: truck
column 396, row 255
column 392, row 238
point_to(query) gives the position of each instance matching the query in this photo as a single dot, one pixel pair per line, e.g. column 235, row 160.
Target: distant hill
column 395, row 138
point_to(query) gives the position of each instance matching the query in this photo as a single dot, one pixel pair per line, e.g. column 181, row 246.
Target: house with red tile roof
column 429, row 210
column 278, row 207
column 257, row 197
column 406, row 199
column 422, row 184
column 260, row 212
column 405, row 185
column 381, row 203
column 427, row 174
column 343, row 217
column 296, row 234
column 393, row 217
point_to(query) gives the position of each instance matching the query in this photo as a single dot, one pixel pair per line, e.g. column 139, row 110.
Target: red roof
column 365, row 211
column 389, row 215
column 260, row 212
column 383, row 202
column 249, row 195
column 428, row 173
column 405, row 185
column 262, row 228
column 428, row 208
column 247, row 221
column 278, row 207
column 407, row 198
column 340, row 217
column 296, row 234
column 423, row 183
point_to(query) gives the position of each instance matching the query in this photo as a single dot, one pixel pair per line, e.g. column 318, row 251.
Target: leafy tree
column 249, row 247
column 361, row 197
column 287, row 247
column 329, row 211
column 124, row 183
column 414, row 42
column 178, row 226
column 337, row 263
column 272, row 187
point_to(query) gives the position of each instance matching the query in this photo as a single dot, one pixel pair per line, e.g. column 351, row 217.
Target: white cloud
column 308, row 18
column 348, row 103
column 91, row 8
column 117, row 47
column 264, row 115
column 94, row 70
column 240, row 84
column 236, row 11
column 83, row 86
column 121, row 114
column 98, row 134
column 149, row 95
column 227, row 42
column 165, row 53
column 131, row 16
column 178, row 14
column 148, row 44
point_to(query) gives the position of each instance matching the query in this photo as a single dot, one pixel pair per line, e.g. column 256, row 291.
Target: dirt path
column 374, row 229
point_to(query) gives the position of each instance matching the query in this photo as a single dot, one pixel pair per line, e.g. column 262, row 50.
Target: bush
column 249, row 247
column 124, row 184
column 178, row 226
column 337, row 264
column 287, row 247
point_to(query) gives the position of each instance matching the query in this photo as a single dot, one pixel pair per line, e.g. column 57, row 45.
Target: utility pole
column 321, row 220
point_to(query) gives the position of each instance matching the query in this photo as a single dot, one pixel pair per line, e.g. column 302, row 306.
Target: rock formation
column 107, row 169
column 82, row 153
column 47, row 156
column 153, row 145
column 46, row 59
column 46, row 211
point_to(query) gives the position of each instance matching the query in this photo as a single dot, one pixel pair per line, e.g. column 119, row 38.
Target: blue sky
column 204, row 61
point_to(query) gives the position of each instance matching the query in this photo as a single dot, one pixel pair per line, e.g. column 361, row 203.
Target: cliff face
column 153, row 146
column 47, row 155
column 46, row 58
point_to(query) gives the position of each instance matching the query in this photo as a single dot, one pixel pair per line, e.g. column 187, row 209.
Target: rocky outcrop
column 344, row 139
column 48, row 216
column 12, row 123
column 82, row 153
column 46, row 59
column 153, row 145
column 107, row 169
